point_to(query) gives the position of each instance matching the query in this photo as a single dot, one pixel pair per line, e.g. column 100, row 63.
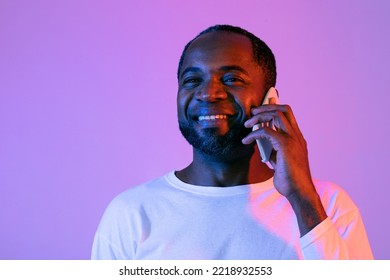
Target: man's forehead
column 221, row 40
column 219, row 47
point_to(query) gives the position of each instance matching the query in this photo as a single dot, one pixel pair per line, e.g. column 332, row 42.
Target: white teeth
column 212, row 117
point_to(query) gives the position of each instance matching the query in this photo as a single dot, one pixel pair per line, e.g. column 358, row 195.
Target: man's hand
column 290, row 159
column 292, row 176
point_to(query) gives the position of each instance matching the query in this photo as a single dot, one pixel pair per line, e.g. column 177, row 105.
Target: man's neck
column 209, row 171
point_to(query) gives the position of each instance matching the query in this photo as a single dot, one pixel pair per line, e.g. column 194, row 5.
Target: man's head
column 262, row 54
column 223, row 73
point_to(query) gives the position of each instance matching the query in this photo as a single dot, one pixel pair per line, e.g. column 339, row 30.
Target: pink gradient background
column 87, row 105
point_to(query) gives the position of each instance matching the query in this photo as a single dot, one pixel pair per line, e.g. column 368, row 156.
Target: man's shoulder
column 329, row 189
column 133, row 201
column 334, row 198
column 141, row 192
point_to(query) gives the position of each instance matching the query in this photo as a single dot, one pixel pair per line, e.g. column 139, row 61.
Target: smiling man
column 228, row 204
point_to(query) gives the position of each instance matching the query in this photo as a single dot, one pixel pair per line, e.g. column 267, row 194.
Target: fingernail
column 272, row 100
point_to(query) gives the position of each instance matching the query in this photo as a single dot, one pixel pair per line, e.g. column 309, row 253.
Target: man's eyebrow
column 222, row 68
column 190, row 69
column 234, row 68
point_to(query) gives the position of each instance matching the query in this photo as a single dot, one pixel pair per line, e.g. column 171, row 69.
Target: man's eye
column 232, row 80
column 191, row 81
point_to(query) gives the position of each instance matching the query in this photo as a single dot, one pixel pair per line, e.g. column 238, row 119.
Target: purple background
column 87, row 105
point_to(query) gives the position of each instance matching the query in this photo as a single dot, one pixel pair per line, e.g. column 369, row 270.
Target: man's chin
column 212, row 143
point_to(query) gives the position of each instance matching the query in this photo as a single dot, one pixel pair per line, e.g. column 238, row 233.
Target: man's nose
column 212, row 91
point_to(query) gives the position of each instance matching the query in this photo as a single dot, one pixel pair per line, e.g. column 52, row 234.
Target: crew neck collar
column 218, row 191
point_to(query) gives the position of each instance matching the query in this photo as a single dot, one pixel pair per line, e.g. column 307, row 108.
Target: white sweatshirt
column 169, row 219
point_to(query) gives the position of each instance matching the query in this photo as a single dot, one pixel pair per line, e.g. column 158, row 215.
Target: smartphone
column 265, row 146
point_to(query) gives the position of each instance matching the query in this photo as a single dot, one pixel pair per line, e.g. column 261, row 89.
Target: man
column 227, row 204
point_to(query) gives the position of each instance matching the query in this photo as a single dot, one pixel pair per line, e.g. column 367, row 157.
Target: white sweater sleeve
column 344, row 238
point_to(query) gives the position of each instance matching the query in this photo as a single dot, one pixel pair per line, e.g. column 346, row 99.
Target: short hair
column 262, row 54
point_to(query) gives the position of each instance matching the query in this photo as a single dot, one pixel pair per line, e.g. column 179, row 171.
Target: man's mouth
column 212, row 117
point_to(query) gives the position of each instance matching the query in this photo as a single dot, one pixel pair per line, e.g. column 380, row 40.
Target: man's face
column 219, row 83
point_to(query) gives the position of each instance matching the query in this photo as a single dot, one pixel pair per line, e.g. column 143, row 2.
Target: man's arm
column 321, row 238
column 292, row 176
column 343, row 237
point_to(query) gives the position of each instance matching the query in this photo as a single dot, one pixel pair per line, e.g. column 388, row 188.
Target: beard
column 212, row 144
